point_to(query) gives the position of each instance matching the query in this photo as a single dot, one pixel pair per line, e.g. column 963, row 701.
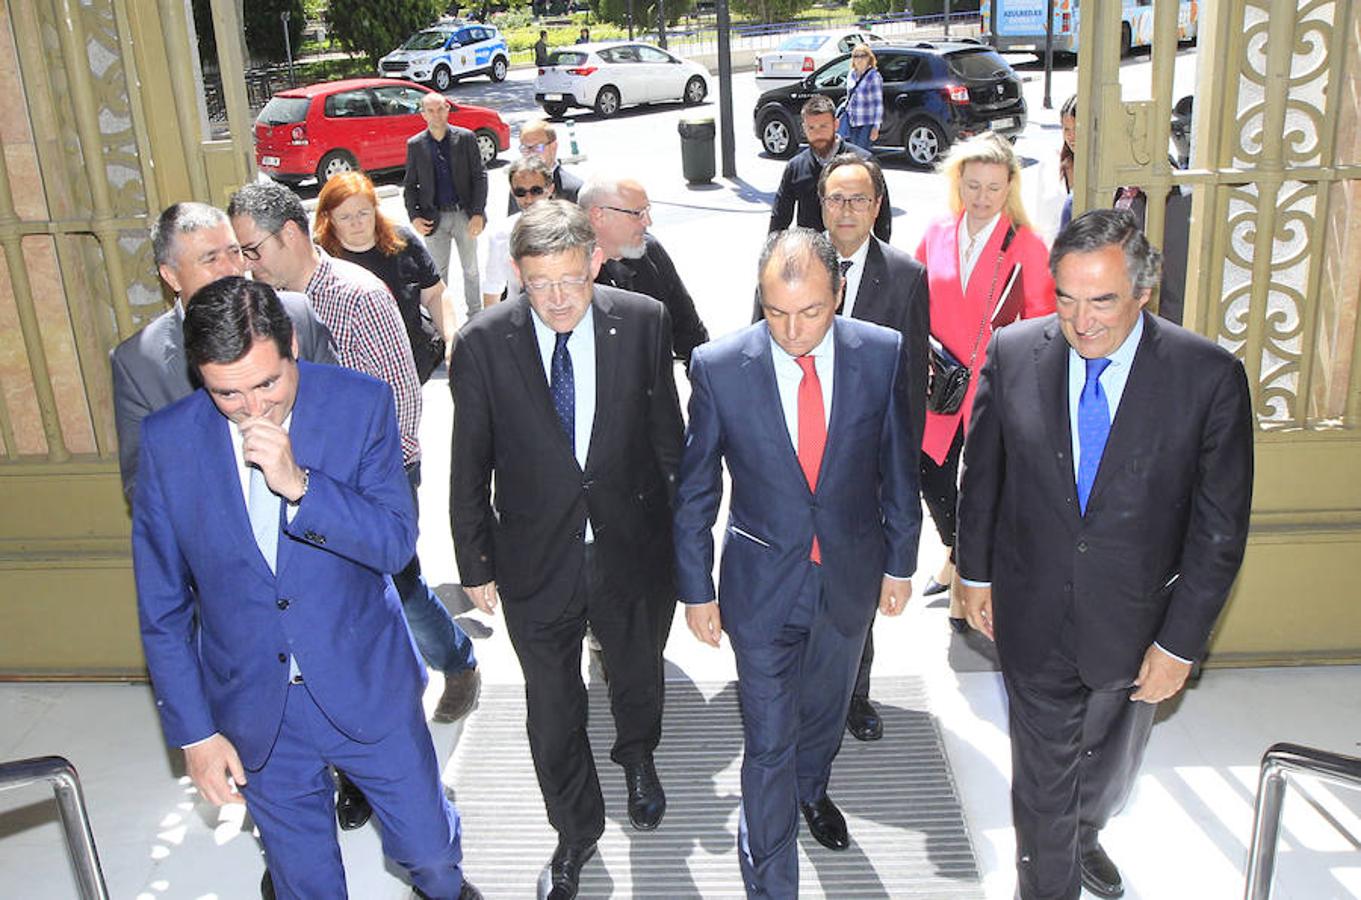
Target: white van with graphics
column 442, row 54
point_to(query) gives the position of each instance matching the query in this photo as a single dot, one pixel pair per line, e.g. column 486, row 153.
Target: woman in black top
column 351, row 226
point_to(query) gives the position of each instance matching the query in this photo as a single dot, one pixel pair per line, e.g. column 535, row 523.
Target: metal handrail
column 75, row 822
column 1279, row 761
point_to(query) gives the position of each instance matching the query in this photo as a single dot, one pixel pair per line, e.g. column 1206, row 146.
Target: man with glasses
column 530, row 182
column 565, row 398
column 362, row 315
column 796, row 199
column 445, row 191
column 538, row 138
column 635, row 260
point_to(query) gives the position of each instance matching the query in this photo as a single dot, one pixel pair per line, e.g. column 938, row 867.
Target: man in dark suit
column 885, row 286
column 1103, row 517
column 635, row 260
column 193, row 245
column 565, row 396
column 445, row 191
column 796, row 199
column 539, row 138
column 810, row 411
column 275, row 643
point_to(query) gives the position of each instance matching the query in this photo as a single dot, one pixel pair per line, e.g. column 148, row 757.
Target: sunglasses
column 535, row 191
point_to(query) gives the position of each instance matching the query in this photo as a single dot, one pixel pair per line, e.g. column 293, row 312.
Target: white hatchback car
column 607, row 77
column 800, row 54
column 442, row 54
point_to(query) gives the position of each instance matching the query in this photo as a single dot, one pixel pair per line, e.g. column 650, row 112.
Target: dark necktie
column 1093, row 428
column 812, row 431
column 563, row 389
column 845, row 267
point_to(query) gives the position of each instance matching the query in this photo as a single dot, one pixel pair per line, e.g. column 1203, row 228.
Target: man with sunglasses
column 530, row 182
column 565, row 399
column 538, row 138
column 635, row 260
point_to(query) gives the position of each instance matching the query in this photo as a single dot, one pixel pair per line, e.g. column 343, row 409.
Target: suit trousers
column 550, row 656
column 452, row 228
column 1075, row 751
column 291, row 799
column 794, row 690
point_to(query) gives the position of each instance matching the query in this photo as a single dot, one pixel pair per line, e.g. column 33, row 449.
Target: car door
column 350, row 124
column 624, row 70
column 397, row 116
column 664, row 75
column 902, row 94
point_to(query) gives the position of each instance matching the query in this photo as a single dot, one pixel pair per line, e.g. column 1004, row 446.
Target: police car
column 442, row 54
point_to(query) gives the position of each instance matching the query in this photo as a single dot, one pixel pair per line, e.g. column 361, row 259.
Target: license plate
column 552, row 96
column 998, row 124
column 269, row 160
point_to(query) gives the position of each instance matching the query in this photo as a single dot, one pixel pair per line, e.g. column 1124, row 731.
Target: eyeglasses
column 252, row 251
column 569, row 284
column 535, row 191
column 858, row 202
column 636, row 213
column 533, row 149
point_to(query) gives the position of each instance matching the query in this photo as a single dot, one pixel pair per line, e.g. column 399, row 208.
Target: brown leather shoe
column 460, row 695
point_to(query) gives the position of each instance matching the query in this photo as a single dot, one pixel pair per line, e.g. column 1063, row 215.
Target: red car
column 361, row 123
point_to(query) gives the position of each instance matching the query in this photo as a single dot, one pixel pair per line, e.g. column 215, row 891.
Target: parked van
column 442, row 54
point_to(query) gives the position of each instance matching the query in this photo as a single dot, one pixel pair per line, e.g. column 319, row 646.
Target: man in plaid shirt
column 369, row 336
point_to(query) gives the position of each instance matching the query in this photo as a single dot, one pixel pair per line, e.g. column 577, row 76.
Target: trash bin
column 697, row 149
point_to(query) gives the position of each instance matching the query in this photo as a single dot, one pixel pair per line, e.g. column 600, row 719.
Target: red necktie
column 812, row 431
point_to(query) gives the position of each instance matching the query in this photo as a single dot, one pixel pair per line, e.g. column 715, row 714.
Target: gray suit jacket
column 149, row 372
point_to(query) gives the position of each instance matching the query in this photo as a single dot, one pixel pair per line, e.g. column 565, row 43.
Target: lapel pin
column 612, row 331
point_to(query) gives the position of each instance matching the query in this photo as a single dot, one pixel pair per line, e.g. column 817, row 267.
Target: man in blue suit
column 811, row 413
column 269, row 507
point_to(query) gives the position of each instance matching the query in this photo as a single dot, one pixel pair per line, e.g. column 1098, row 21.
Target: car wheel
column 555, row 110
column 441, row 80
column 778, row 134
column 607, row 101
column 695, row 91
column 334, row 163
column 499, row 67
column 487, row 146
column 924, row 142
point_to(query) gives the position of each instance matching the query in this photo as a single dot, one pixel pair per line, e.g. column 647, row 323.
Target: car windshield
column 567, row 58
column 804, row 42
column 978, row 65
column 284, row 110
column 426, row 40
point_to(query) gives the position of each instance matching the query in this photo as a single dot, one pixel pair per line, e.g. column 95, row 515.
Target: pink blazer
column 957, row 312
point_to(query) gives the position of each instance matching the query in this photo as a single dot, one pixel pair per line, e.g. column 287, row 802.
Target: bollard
column 574, row 153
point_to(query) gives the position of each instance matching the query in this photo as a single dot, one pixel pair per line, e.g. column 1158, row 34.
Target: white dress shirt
column 854, row 274
column 788, row 375
column 971, row 248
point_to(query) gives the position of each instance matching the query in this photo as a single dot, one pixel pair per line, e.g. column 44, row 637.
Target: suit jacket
column 528, row 536
column 956, row 313
column 654, row 275
column 465, row 166
column 865, row 512
column 566, row 186
column 1158, row 549
column 330, row 605
column 149, row 372
column 798, row 193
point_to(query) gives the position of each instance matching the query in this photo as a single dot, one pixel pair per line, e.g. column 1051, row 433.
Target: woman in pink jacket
column 986, row 268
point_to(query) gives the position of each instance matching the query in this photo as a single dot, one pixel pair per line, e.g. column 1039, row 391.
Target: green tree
column 376, row 27
column 771, row 10
column 644, row 12
column 264, row 29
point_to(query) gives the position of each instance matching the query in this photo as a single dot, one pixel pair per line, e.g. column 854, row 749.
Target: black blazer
column 465, row 165
column 528, row 536
column 654, row 275
column 566, row 186
column 1167, row 521
column 796, row 199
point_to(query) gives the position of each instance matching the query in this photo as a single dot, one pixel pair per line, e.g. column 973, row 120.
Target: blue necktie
column 563, row 389
column 262, row 506
column 1093, row 427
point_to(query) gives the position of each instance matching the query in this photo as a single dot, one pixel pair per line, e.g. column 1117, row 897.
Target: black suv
column 934, row 94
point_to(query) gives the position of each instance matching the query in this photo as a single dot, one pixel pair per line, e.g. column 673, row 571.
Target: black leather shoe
column 460, row 694
column 862, row 720
column 266, row 887
column 565, row 869
column 469, row 892
column 826, row 824
column 934, row 587
column 647, row 800
column 1099, row 874
column 352, row 808
column 959, row 626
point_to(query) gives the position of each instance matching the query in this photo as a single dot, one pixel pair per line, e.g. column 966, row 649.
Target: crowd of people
column 1094, row 532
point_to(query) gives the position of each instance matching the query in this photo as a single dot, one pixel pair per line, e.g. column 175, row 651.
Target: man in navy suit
column 274, row 638
column 812, row 414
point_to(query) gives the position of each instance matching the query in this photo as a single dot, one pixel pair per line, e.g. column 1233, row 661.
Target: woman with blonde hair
column 985, row 268
column 351, row 226
column 864, row 98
